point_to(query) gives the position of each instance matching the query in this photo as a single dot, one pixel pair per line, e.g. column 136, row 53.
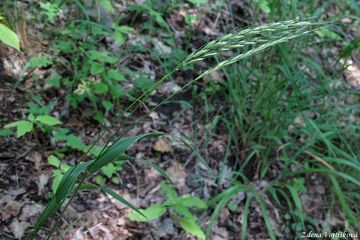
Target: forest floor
column 26, row 176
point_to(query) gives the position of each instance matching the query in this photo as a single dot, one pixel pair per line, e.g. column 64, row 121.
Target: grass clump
column 246, row 42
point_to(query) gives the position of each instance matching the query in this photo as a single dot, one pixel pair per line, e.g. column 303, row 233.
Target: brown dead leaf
column 177, row 174
column 160, row 47
column 162, row 145
column 11, row 209
column 213, row 76
column 18, row 228
column 43, row 180
column 36, row 158
column 169, row 87
column 30, row 212
column 352, row 74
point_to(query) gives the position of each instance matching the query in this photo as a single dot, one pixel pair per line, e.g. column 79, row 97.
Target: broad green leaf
column 183, row 211
column 117, row 90
column 150, row 213
column 108, row 170
column 74, row 142
column 264, row 6
column 39, row 61
column 60, row 134
column 54, row 80
column 51, row 10
column 103, row 57
column 325, row 32
column 143, row 83
column 54, row 161
column 118, row 36
column 97, row 68
column 22, row 127
column 192, row 202
column 64, row 167
column 6, row 132
column 107, row 105
column 99, row 116
column 31, row 117
column 95, row 150
column 48, row 120
column 8, row 37
column 197, row 2
column 100, row 180
column 65, row 46
column 116, row 149
column 115, row 180
column 190, row 226
column 56, row 181
column 232, row 206
column 113, row 74
column 100, row 87
column 169, row 191
column 124, row 29
column 107, row 5
column 299, row 185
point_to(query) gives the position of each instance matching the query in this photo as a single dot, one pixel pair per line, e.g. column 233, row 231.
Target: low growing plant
column 8, row 36
column 179, row 208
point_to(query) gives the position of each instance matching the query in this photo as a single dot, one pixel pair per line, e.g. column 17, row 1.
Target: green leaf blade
column 115, row 150
column 9, row 37
column 149, row 214
column 48, row 120
column 22, row 127
column 190, row 226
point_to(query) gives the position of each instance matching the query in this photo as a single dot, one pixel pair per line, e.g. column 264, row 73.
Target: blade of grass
column 245, row 215
column 266, row 217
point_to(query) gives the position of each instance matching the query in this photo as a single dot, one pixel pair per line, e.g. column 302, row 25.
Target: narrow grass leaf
column 50, row 209
column 119, row 147
column 265, row 214
column 121, row 199
column 342, row 200
column 298, row 204
column 245, row 215
column 224, row 199
column 157, row 168
column 69, row 179
column 149, row 214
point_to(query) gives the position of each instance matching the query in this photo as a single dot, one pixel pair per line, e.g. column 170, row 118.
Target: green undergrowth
column 290, row 118
column 249, row 41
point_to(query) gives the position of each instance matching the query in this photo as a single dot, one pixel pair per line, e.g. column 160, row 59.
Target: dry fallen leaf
column 168, row 88
column 162, row 146
column 18, row 228
column 43, row 180
column 30, row 212
column 352, row 74
column 160, row 47
column 11, row 209
column 177, row 174
column 36, row 158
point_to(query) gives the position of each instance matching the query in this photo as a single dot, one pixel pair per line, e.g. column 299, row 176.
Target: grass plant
column 246, row 42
